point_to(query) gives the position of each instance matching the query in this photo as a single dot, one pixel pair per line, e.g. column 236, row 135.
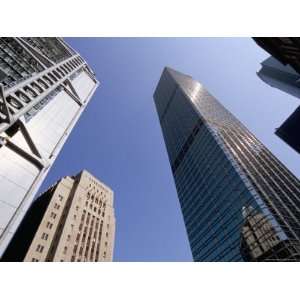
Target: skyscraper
column 284, row 49
column 44, row 87
column 72, row 221
column 282, row 71
column 282, row 77
column 220, row 168
column 286, row 79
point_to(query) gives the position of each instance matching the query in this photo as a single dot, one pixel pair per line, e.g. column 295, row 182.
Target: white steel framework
column 45, row 86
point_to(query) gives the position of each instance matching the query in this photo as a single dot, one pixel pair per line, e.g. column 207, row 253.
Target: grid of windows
column 89, row 237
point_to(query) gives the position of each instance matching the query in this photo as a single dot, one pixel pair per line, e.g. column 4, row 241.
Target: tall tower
column 220, row 168
column 282, row 71
column 44, row 87
column 72, row 221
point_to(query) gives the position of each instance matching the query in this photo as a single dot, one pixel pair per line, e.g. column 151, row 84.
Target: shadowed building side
column 282, row 71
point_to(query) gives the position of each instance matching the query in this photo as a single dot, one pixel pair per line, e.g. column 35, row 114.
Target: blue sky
column 119, row 140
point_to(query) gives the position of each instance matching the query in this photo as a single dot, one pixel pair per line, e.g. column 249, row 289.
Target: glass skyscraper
column 238, row 201
column 44, row 87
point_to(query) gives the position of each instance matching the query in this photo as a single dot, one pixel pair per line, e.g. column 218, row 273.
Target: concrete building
column 44, row 87
column 72, row 221
column 220, row 167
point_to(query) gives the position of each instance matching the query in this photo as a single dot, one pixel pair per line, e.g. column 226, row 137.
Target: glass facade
column 238, row 201
column 45, row 86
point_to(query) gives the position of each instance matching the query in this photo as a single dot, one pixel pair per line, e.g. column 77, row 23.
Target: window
column 42, row 83
column 53, row 215
column 49, row 225
column 36, row 87
column 34, row 259
column 47, row 80
column 69, row 237
column 39, row 248
column 30, row 91
column 78, row 237
column 60, row 197
column 44, row 236
column 65, row 250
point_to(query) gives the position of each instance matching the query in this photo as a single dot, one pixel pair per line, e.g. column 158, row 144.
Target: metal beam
column 27, row 106
column 70, row 90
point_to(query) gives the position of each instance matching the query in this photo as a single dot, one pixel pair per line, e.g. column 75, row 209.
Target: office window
column 49, row 225
column 44, row 236
column 39, row 248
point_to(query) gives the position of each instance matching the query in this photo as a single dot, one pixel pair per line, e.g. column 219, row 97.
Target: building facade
column 220, row 169
column 72, row 221
column 44, row 87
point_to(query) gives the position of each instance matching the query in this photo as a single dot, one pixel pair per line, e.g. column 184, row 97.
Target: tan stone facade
column 79, row 223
